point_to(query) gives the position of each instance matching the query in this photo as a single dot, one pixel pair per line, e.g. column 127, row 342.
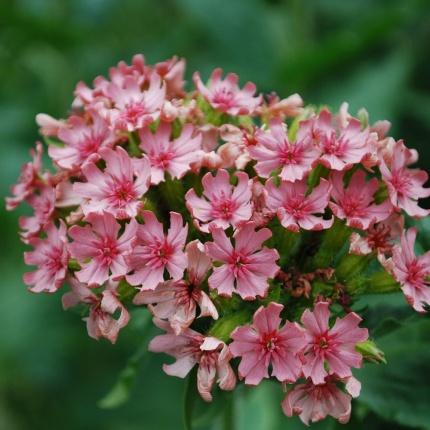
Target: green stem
column 229, row 411
column 333, row 241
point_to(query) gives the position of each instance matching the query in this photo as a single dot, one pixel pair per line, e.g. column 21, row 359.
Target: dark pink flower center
column 324, row 344
column 379, row 238
column 416, row 272
column 353, row 205
column 223, row 208
column 333, row 146
column 402, row 182
column 224, row 96
column 107, row 251
column 296, row 207
column 133, row 112
column 271, row 347
column 162, row 159
column 287, row 154
column 89, row 145
column 237, row 263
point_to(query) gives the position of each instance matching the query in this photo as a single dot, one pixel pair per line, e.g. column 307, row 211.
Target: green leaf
column 199, row 414
column 399, row 391
column 121, row 391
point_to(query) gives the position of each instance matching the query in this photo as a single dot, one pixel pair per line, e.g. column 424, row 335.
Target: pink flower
column 275, row 152
column 294, row 208
column 227, row 205
column 315, row 402
column 134, row 108
column 340, row 152
column 191, row 348
column 245, row 267
column 291, row 106
column 172, row 156
column 234, row 152
column 176, row 300
column 355, row 202
column 28, row 179
column 83, row 142
column 49, row 126
column 155, row 252
column 264, row 342
column 99, row 323
column 51, row 258
column 172, row 71
column 44, row 206
column 100, row 243
column 225, row 95
column 119, row 188
column 379, row 237
column 411, row 271
column 405, row 186
column 335, row 347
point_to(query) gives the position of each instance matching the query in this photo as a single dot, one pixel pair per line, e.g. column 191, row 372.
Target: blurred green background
column 371, row 53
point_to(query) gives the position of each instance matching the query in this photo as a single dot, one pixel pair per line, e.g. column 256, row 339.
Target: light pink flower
column 100, row 243
column 340, row 152
column 28, row 179
column 245, row 267
column 172, row 71
column 411, row 271
column 44, row 206
column 51, row 258
column 234, row 152
column 119, row 188
column 335, row 347
column 355, row 203
column 100, row 323
column 379, row 237
column 155, row 252
column 176, row 300
column 172, row 156
column 134, row 108
column 294, row 208
column 263, row 342
column 137, row 69
column 49, row 126
column 191, row 348
column 405, row 186
column 315, row 402
column 227, row 205
column 83, row 142
column 291, row 106
column 225, row 95
column 275, row 152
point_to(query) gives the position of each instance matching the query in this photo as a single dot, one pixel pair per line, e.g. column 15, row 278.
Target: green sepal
column 226, row 324
column 370, row 352
column 295, row 125
column 351, row 265
column 126, row 291
column 73, row 264
column 52, row 141
column 382, row 282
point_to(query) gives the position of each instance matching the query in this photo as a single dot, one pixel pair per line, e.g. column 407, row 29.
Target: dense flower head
column 245, row 224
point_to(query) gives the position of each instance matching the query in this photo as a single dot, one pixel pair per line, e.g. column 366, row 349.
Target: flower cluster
column 257, row 214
